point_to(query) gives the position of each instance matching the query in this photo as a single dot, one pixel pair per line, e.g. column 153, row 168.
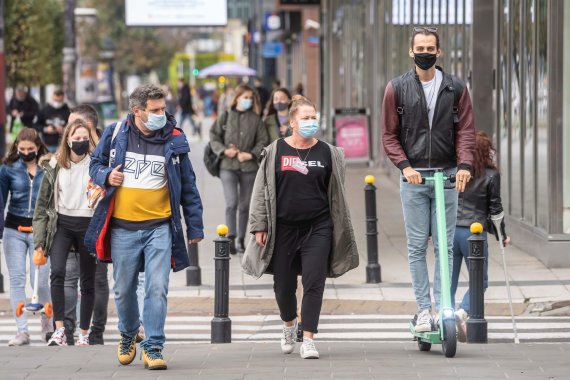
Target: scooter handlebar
column 423, row 180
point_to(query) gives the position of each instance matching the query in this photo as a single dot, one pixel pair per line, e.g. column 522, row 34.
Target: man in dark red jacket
column 427, row 123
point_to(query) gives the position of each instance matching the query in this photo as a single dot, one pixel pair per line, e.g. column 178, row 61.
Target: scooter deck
column 433, row 337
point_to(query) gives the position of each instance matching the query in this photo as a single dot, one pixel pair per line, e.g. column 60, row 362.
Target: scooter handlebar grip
column 423, row 180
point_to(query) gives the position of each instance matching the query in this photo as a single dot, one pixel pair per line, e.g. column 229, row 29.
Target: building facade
column 514, row 56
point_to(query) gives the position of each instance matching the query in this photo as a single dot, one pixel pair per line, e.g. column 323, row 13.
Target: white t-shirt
column 431, row 90
column 72, row 189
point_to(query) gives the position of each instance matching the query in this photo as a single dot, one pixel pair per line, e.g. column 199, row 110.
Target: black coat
column 481, row 199
column 28, row 106
column 52, row 116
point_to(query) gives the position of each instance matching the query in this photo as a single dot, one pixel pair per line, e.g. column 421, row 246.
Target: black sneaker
column 96, row 338
column 240, row 247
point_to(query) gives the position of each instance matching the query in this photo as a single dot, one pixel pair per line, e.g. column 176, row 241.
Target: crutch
column 497, row 219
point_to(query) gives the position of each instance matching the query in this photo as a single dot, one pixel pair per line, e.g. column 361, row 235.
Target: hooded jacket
column 111, row 152
column 263, row 217
column 45, row 213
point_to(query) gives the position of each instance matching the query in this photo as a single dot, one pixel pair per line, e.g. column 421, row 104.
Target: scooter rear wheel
column 424, row 346
column 449, row 344
column 20, row 309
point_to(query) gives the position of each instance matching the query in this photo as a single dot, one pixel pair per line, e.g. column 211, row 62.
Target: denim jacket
column 181, row 185
column 14, row 180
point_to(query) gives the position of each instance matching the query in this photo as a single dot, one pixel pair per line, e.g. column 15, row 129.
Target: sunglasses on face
column 429, row 29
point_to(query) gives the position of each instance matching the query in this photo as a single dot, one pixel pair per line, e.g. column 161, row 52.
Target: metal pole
column 193, row 272
column 373, row 275
column 69, row 55
column 476, row 324
column 2, row 108
column 221, row 326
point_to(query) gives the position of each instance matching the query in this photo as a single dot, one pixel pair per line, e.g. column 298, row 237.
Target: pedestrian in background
column 23, row 107
column 261, row 91
column 52, row 119
column 479, row 203
column 427, row 123
column 185, row 106
column 137, row 225
column 89, row 115
column 60, row 221
column 239, row 136
column 20, row 179
column 300, row 223
column 277, row 111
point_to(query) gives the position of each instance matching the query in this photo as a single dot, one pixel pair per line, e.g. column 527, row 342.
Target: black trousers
column 71, row 231
column 301, row 250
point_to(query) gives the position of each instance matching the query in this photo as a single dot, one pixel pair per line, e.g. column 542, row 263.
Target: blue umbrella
column 227, row 69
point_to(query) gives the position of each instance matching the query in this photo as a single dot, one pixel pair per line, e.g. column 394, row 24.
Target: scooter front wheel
column 449, row 344
column 424, row 346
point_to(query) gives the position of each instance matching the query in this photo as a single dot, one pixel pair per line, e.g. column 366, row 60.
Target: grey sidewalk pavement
column 535, row 288
column 265, row 361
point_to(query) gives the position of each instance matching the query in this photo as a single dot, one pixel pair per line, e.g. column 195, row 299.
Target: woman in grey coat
column 300, row 223
column 240, row 136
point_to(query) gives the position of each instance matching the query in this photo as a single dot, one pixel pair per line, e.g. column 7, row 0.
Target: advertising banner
column 352, row 133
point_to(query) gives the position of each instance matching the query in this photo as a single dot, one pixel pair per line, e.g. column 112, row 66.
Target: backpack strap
column 117, row 129
column 458, row 89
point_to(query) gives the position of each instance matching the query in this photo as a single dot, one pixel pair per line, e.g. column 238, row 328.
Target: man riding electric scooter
column 427, row 123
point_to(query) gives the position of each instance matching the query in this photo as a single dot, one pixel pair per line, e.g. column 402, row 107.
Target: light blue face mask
column 155, row 122
column 245, row 104
column 308, row 128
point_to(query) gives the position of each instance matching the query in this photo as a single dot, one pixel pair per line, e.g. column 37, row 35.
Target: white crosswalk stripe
column 188, row 329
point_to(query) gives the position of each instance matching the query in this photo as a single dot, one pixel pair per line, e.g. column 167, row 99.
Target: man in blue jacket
column 147, row 175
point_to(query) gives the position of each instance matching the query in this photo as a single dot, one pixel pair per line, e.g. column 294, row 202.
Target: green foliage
column 33, row 42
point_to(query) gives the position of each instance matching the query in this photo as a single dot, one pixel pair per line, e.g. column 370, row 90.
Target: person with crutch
column 480, row 202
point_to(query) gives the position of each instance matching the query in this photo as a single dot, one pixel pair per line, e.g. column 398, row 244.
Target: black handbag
column 211, row 159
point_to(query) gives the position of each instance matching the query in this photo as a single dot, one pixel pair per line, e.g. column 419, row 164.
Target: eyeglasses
column 429, row 29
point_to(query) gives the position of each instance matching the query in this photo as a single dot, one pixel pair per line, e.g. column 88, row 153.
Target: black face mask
column 28, row 156
column 80, row 147
column 425, row 60
column 281, row 106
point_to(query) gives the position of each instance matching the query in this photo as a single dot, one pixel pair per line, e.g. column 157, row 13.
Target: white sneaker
column 22, row 338
column 308, row 349
column 423, row 323
column 82, row 340
column 288, row 341
column 58, row 338
column 461, row 323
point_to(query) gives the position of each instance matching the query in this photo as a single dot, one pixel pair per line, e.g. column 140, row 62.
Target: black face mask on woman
column 27, row 157
column 425, row 60
column 80, row 147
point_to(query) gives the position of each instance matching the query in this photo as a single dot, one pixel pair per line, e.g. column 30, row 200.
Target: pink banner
column 352, row 135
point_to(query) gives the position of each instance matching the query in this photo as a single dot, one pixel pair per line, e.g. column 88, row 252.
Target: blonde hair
column 297, row 102
column 63, row 154
column 240, row 90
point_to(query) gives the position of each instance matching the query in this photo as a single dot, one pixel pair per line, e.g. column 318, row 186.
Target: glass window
column 516, row 110
column 504, row 107
column 529, row 113
column 566, row 121
column 542, row 194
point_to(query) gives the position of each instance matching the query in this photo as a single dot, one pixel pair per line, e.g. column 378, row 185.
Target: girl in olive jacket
column 239, row 136
column 300, row 223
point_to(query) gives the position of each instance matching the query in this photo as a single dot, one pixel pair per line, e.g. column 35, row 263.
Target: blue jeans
column 461, row 252
column 418, row 204
column 17, row 247
column 130, row 250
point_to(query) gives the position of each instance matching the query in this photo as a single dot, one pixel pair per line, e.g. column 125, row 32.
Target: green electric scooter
column 445, row 330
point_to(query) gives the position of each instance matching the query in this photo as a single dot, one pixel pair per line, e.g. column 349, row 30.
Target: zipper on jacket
column 30, row 197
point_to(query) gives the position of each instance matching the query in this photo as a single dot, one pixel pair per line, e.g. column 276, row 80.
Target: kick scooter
column 445, row 334
column 34, row 306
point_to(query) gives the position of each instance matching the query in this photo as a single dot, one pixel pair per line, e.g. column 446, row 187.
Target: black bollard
column 476, row 324
column 221, row 324
column 193, row 272
column 373, row 275
column 1, row 275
